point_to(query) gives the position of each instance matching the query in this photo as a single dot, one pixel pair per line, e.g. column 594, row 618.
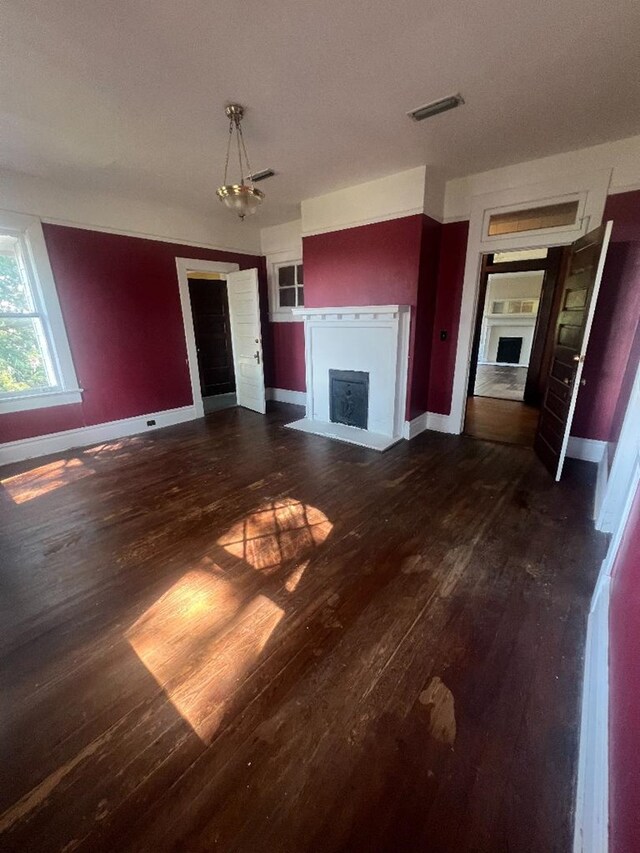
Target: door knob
column 566, row 381
column 257, row 356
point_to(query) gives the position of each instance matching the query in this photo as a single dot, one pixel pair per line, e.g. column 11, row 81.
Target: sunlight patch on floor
column 276, row 533
column 199, row 642
column 99, row 450
column 202, row 638
column 46, row 478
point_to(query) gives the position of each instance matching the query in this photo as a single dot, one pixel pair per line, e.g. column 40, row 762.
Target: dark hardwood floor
column 230, row 636
column 509, row 421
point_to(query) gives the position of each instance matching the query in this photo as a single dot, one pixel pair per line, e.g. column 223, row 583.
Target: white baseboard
column 586, row 449
column 592, row 797
column 282, row 395
column 442, row 423
column 413, row 428
column 602, row 478
column 43, row 445
column 428, row 420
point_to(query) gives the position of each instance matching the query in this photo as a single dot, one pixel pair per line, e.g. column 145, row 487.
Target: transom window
column 514, row 306
column 290, row 283
column 36, row 369
column 533, row 219
column 26, row 363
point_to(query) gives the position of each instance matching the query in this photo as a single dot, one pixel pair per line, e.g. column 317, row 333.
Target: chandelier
column 243, row 198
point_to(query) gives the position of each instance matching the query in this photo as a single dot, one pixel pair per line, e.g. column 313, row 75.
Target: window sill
column 40, row 401
column 284, row 317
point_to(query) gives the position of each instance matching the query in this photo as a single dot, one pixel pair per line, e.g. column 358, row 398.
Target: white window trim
column 29, row 229
column 278, row 314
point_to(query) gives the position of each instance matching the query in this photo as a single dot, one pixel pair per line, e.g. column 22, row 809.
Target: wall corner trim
column 429, row 421
column 591, row 828
column 282, row 395
column 56, row 442
column 415, row 427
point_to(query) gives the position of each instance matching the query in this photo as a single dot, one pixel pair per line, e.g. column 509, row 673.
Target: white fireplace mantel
column 370, row 338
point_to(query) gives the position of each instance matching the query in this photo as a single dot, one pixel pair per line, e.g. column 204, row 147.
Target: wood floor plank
column 227, row 635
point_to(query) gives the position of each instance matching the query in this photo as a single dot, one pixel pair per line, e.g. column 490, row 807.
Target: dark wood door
column 210, row 309
column 579, row 292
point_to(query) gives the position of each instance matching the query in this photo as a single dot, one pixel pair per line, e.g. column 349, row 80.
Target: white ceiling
column 128, row 95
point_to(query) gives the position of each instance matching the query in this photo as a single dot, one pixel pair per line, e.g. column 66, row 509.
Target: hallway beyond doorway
column 507, row 421
column 505, row 381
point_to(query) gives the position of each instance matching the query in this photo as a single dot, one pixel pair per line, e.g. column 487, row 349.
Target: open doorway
column 511, row 348
column 220, row 302
column 212, row 328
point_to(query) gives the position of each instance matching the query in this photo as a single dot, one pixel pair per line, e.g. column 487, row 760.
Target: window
column 290, row 285
column 36, row 369
column 514, row 306
column 25, row 352
column 534, row 218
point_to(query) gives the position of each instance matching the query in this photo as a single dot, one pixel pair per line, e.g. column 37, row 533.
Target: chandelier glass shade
column 242, row 198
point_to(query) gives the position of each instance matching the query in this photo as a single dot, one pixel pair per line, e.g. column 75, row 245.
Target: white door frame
column 625, row 469
column 185, row 266
column 592, row 793
column 589, row 190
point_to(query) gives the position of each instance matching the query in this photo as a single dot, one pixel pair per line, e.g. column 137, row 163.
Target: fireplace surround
column 355, row 340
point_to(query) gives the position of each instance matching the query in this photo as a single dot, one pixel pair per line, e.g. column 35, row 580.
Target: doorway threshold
column 219, row 402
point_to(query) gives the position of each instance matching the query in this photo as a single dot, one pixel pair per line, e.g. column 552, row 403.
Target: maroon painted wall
column 409, row 261
column 370, row 265
column 287, row 341
column 624, row 692
column 424, row 317
column 612, row 354
column 453, row 253
column 385, row 263
column 121, row 306
column 375, row 264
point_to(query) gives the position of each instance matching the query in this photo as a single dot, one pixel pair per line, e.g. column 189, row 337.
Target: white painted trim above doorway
column 184, row 266
column 591, row 191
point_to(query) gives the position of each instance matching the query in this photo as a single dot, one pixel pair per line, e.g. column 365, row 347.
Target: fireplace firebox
column 349, row 397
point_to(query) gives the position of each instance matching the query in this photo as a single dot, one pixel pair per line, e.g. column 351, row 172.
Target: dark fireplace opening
column 349, row 397
column 509, row 350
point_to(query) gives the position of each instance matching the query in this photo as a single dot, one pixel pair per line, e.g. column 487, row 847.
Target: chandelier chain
column 246, row 157
column 226, row 162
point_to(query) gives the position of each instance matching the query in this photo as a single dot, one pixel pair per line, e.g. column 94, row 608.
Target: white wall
column 622, row 157
column 282, row 238
column 391, row 197
column 509, row 286
column 513, row 286
column 21, row 193
column 497, row 329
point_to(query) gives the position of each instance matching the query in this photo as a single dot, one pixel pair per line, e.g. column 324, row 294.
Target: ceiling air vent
column 436, row 107
column 261, row 176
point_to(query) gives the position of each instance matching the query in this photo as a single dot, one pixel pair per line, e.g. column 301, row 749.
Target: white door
column 246, row 339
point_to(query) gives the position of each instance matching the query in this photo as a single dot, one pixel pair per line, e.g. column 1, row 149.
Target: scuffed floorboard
column 230, row 636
